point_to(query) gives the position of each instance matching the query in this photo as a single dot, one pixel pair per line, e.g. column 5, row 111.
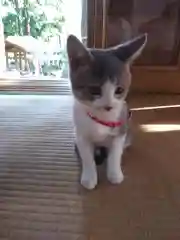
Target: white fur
column 90, row 133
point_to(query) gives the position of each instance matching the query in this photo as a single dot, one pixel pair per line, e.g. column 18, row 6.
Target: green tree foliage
column 32, row 17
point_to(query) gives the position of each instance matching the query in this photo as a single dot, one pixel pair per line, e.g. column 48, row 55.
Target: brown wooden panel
column 126, row 19
column 156, row 79
column 157, row 70
column 118, row 21
column 162, row 24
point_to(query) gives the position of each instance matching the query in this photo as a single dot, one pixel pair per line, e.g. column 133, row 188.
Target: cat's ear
column 130, row 50
column 78, row 54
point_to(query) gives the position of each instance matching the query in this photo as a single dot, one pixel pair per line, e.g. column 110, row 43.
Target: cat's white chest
column 94, row 131
column 98, row 132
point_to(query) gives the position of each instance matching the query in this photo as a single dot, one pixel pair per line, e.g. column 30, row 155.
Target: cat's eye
column 119, row 90
column 95, row 91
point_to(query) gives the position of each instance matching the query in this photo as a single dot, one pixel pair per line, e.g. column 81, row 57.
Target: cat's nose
column 108, row 108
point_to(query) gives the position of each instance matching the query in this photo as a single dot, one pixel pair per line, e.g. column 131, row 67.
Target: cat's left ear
column 130, row 50
column 78, row 54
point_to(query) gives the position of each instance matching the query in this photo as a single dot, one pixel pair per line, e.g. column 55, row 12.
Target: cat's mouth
column 108, row 108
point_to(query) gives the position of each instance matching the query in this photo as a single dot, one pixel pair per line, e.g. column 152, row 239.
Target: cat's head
column 101, row 78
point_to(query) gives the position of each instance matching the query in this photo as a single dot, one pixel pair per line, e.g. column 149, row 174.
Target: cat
column 100, row 81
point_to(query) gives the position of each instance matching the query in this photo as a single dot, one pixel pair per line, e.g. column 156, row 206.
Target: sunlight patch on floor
column 160, row 127
column 156, row 107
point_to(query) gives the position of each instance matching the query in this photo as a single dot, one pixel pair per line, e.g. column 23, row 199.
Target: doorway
column 34, row 37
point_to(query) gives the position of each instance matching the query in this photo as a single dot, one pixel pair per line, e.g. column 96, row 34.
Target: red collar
column 107, row 124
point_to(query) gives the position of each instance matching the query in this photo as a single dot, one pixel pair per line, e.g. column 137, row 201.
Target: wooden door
column 114, row 21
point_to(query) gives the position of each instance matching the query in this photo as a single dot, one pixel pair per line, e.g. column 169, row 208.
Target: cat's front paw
column 89, row 179
column 115, row 177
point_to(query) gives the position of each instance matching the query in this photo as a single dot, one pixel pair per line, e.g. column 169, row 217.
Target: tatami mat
column 40, row 195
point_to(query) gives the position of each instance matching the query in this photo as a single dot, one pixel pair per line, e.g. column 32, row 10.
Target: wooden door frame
column 96, row 24
column 153, row 79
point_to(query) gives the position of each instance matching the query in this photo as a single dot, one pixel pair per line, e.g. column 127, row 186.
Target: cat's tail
column 100, row 155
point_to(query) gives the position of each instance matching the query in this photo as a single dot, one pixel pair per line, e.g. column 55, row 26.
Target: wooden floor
column 40, row 195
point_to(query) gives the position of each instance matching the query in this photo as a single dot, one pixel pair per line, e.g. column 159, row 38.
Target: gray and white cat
column 100, row 82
